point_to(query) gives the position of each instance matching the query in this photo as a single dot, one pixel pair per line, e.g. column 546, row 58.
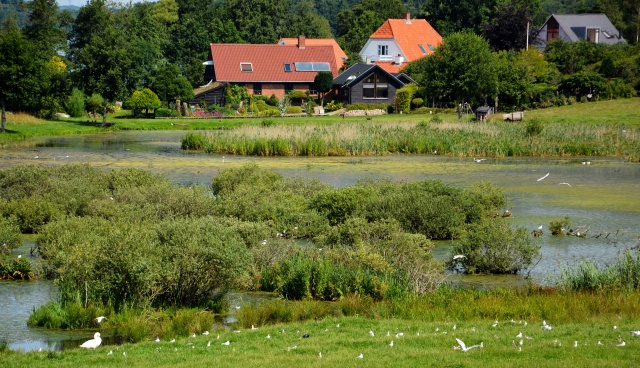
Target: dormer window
column 383, row 50
column 593, row 35
column 287, row 67
column 246, row 67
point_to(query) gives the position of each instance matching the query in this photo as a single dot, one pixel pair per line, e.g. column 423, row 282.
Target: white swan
column 465, row 348
column 93, row 343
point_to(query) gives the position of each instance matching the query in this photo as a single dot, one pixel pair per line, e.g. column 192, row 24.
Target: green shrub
column 298, row 94
column 163, row 112
column 333, row 106
column 492, row 246
column 267, row 122
column 75, row 104
column 534, row 127
column 404, row 96
column 10, row 235
column 417, row 102
column 558, row 226
column 436, row 119
column 366, row 106
column 95, row 103
column 273, row 100
column 193, row 141
column 294, row 110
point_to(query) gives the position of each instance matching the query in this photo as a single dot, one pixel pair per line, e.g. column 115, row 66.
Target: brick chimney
column 301, row 44
column 406, row 16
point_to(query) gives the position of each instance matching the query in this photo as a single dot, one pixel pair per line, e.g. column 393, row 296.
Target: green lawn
column 619, row 112
column 422, row 345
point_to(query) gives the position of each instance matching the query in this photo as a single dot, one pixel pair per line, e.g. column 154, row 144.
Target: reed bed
column 454, row 139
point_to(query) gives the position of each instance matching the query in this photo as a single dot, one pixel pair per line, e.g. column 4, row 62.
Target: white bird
column 253, row 328
column 519, row 335
column 478, row 160
column 172, row 340
column 268, row 336
column 226, row 343
column 93, row 343
column 371, row 333
column 565, row 184
column 208, row 343
column 194, row 335
column 361, row 356
column 389, row 333
column 575, row 344
column 635, row 333
column 110, row 352
column 264, row 242
column 546, row 327
column 205, row 333
column 338, row 325
column 525, row 323
column 320, row 355
column 157, row 339
column 218, row 337
column 391, row 343
column 544, row 177
column 100, row 319
column 124, row 353
column 520, row 342
column 600, row 343
column 19, row 256
column 465, row 348
column 111, row 198
column 540, row 227
column 622, row 344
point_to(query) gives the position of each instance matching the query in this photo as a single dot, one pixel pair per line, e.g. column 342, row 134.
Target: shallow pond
column 603, row 195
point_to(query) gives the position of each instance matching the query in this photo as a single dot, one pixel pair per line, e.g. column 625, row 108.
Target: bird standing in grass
column 361, row 356
column 93, row 343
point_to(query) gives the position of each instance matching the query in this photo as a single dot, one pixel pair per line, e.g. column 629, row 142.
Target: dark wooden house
column 368, row 83
column 211, row 94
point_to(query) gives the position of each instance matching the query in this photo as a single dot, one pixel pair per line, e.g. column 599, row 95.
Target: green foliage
column 558, row 226
column 323, row 82
column 283, row 105
column 18, row 269
column 333, row 106
column 298, row 94
column 10, row 235
column 171, row 86
column 534, row 127
column 234, row 94
column 273, row 100
column 364, row 106
column 492, row 246
column 75, row 104
column 417, row 102
column 624, row 275
column 404, row 96
column 582, row 84
column 337, row 205
column 163, row 112
column 94, row 102
column 294, row 110
column 143, row 100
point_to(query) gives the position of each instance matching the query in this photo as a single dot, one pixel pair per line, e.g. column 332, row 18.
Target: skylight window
column 287, row 67
column 312, row 67
column 431, row 47
column 246, row 67
column 422, row 48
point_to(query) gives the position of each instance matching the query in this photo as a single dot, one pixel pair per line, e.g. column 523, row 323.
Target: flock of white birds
column 517, row 343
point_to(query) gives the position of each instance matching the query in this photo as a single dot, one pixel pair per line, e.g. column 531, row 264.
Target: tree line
column 109, row 50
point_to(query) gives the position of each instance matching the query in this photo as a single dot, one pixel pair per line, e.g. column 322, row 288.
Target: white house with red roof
column 267, row 69
column 400, row 41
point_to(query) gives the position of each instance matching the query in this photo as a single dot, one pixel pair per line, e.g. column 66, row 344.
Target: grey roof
column 574, row 25
column 359, row 71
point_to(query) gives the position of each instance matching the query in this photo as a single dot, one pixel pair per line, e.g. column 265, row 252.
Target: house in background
column 340, row 55
column 368, row 83
column 595, row 28
column 400, row 41
column 268, row 69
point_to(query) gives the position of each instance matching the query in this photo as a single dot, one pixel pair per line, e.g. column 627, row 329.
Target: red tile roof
column 268, row 62
column 390, row 66
column 337, row 50
column 409, row 35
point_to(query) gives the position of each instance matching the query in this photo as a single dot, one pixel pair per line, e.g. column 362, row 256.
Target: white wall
column 370, row 49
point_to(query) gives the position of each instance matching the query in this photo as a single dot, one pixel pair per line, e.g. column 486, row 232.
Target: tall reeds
column 455, row 139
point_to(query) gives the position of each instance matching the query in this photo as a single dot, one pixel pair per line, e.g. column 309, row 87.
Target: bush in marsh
column 10, row 235
column 492, row 246
column 18, row 269
column 624, row 275
column 558, row 226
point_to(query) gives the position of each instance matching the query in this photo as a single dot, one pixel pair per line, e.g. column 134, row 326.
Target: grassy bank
column 421, row 344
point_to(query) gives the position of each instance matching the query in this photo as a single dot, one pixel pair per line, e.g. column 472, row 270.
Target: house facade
column 400, row 41
column 368, row 83
column 595, row 28
column 268, row 69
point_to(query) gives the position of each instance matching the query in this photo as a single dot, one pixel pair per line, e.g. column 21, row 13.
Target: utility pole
column 527, row 48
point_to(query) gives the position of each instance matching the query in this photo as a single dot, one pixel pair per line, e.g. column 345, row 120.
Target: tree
column 355, row 25
column 144, row 100
column 46, row 27
column 323, row 83
column 170, row 86
column 450, row 16
column 19, row 71
column 462, row 68
column 507, row 30
column 305, row 21
column 260, row 21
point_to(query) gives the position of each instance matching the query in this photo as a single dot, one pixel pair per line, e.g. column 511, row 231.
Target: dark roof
column 574, row 25
column 357, row 72
column 404, row 78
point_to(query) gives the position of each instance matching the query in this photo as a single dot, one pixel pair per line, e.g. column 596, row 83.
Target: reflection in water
column 603, row 196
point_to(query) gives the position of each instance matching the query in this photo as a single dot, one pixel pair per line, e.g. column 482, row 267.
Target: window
column 288, row 87
column 287, row 67
column 312, row 67
column 593, row 35
column 246, row 67
column 257, row 89
column 383, row 50
column 422, row 48
column 431, row 47
column 375, row 86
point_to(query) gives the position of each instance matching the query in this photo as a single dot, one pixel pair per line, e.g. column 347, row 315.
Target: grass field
column 624, row 112
column 420, row 345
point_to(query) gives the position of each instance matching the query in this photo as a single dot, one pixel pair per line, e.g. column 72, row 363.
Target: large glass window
column 257, row 89
column 375, row 86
